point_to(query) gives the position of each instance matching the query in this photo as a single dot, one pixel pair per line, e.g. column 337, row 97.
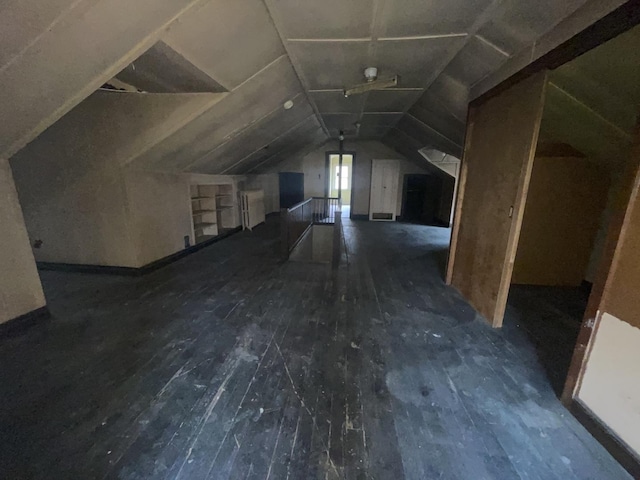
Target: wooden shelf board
column 202, row 212
column 198, row 226
column 193, row 199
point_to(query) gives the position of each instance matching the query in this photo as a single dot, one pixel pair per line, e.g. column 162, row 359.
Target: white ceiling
column 263, row 53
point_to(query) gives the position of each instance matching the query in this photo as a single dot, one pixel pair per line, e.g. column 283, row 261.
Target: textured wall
column 20, row 289
column 561, row 219
column 72, row 182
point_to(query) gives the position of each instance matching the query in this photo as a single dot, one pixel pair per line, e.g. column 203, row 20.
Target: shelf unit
column 226, row 204
column 212, row 210
column 203, row 212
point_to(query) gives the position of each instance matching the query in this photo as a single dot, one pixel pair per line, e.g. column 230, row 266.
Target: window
column 342, row 180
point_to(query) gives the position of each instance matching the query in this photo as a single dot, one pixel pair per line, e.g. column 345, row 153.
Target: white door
column 384, row 190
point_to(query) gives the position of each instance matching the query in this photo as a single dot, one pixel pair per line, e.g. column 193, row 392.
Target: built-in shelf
column 201, row 225
column 212, row 210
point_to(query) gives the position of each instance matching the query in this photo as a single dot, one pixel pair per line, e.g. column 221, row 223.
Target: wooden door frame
column 491, row 308
column 608, row 27
column 626, row 197
column 619, row 21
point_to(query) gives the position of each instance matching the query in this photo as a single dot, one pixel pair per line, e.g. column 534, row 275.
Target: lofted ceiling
column 263, row 53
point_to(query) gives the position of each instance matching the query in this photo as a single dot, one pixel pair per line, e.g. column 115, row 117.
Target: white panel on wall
column 252, row 208
column 611, row 383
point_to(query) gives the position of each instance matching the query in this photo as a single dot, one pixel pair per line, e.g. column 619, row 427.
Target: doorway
column 414, row 203
column 578, row 171
column 291, row 189
column 427, row 199
column 557, row 254
column 340, row 179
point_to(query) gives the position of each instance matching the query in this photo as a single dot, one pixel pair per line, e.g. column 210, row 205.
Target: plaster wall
column 20, row 288
column 78, row 199
column 314, row 168
column 611, row 383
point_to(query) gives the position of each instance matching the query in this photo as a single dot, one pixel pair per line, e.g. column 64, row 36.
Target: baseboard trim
column 84, row 268
column 132, row 271
column 618, row 449
column 360, row 217
column 18, row 325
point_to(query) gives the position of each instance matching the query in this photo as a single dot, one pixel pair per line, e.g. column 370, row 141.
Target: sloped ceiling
column 593, row 102
column 263, row 53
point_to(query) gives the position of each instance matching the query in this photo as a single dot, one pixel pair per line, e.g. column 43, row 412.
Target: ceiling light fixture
column 288, row 105
column 371, row 74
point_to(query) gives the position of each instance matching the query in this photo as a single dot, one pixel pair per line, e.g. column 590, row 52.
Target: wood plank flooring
column 230, row 365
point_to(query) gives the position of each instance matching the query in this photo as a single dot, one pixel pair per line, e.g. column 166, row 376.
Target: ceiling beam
column 590, row 25
column 237, row 133
column 277, row 23
column 274, row 139
column 436, row 132
column 301, row 151
column 456, row 47
column 580, row 104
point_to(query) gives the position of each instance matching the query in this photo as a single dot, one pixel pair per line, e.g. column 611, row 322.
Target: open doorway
column 340, row 179
column 585, row 144
column 557, row 253
column 427, row 199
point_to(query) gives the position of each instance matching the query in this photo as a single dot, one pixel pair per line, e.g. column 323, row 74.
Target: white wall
column 611, row 383
column 313, row 167
column 20, row 288
column 159, row 214
column 270, row 184
column 75, row 191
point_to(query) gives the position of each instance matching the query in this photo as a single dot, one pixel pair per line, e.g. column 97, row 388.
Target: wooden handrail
column 297, row 220
column 298, row 205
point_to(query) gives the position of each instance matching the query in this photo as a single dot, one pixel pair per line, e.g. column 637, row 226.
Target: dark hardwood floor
column 551, row 317
column 228, row 364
